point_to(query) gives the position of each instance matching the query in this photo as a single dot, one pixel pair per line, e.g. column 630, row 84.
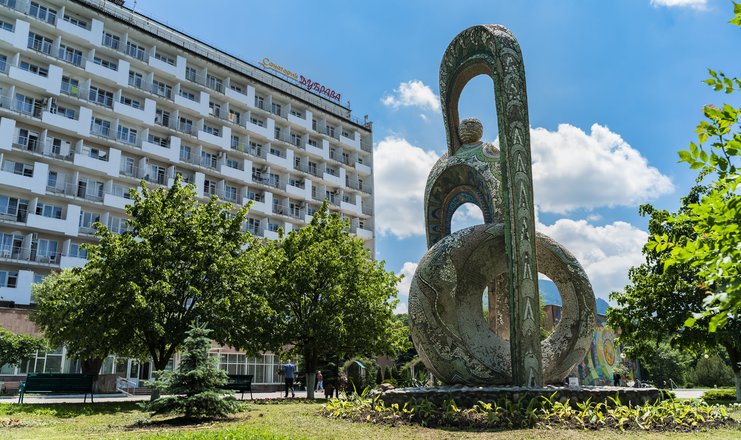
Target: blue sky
column 614, row 90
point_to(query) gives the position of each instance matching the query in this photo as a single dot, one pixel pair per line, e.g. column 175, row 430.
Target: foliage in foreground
column 14, row 348
column 195, row 385
column 667, row 415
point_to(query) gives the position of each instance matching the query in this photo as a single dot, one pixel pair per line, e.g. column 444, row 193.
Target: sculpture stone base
column 467, row 397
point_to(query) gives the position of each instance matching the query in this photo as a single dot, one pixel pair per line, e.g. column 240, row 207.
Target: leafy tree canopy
column 15, row 348
column 714, row 250
column 179, row 262
column 330, row 297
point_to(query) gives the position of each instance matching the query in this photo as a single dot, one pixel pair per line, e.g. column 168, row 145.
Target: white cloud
column 694, row 4
column 413, row 93
column 605, row 252
column 401, row 175
column 467, row 215
column 408, row 271
column 573, row 169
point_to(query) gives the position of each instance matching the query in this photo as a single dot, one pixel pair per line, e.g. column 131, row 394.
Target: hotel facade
column 95, row 97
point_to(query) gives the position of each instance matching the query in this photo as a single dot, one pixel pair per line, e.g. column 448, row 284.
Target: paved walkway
column 689, row 393
column 78, row 398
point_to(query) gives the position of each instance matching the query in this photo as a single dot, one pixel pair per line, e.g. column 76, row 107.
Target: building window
column 190, row 74
column 215, row 83
column 131, row 102
column 101, row 96
column 164, row 58
column 64, row 111
column 161, row 89
column 136, row 79
column 70, row 86
column 211, row 130
column 42, row 13
column 127, row 135
column 33, row 68
column 128, row 167
column 105, row 63
column 258, row 122
column 188, row 95
column 70, row 54
column 101, row 127
column 185, row 153
column 46, row 250
column 39, row 43
column 209, row 187
column 186, row 125
column 19, row 168
column 208, row 159
column 27, row 105
column 230, row 193
column 112, row 41
column 47, row 210
column 51, row 181
column 76, row 21
column 28, row 139
column 162, row 141
column 260, row 102
column 233, row 363
column 8, row 279
column 162, row 117
column 136, row 51
column 6, row 26
column 117, row 225
column 76, row 250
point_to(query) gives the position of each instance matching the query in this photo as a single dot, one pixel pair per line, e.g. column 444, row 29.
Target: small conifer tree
column 193, row 389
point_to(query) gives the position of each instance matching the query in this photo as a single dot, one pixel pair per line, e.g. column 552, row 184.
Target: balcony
column 108, row 163
column 80, row 126
column 35, row 181
column 222, row 140
column 362, row 169
column 169, row 151
column 21, row 292
column 92, row 34
column 246, row 98
column 351, row 140
column 200, row 104
column 162, row 64
column 119, row 76
column 67, row 225
column 7, row 129
column 302, row 119
column 145, row 114
column 320, row 150
column 51, row 83
column 362, row 233
column 240, row 172
column 18, row 37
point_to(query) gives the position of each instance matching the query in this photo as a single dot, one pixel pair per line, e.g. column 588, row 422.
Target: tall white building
column 95, row 97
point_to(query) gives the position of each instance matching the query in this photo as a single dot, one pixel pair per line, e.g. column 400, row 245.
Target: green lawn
column 273, row 421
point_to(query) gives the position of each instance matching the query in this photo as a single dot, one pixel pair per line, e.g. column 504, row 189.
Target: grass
column 293, row 420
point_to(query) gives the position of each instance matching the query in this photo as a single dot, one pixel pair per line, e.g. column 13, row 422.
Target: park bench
column 48, row 383
column 239, row 382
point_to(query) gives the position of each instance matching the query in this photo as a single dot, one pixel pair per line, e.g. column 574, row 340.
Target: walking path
column 78, row 398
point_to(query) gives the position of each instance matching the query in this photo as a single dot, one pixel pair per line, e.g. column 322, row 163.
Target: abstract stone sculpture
column 504, row 255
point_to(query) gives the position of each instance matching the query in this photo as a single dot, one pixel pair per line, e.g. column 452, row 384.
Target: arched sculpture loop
column 503, row 256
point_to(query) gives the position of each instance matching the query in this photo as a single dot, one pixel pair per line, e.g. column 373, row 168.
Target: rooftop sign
column 301, row 80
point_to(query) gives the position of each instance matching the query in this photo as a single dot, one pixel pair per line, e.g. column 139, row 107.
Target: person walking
column 289, row 374
column 319, row 381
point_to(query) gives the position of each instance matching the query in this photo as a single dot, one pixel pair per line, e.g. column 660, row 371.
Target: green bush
column 720, row 395
column 543, row 412
column 711, row 371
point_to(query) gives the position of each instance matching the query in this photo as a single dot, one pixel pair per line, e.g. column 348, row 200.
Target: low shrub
column 720, row 395
column 667, row 394
column 667, row 415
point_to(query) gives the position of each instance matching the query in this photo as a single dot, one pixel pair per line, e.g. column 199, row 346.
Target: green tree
column 179, row 262
column 654, row 307
column 194, row 388
column 713, row 250
column 663, row 364
column 71, row 312
column 330, row 297
column 711, row 371
column 15, row 348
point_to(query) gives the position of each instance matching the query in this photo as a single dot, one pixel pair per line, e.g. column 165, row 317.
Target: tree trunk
column 92, row 366
column 734, row 354
column 310, row 383
column 158, row 365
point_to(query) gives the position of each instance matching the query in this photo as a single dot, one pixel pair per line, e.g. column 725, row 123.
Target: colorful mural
column 603, row 358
